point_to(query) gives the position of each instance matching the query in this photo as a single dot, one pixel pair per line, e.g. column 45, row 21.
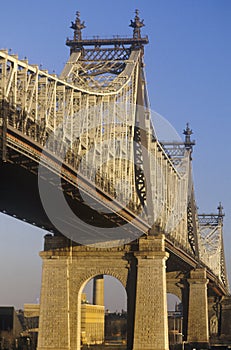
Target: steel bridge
column 87, row 136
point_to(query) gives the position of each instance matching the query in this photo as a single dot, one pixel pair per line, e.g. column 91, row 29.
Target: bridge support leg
column 151, row 319
column 225, row 319
column 54, row 322
column 198, row 332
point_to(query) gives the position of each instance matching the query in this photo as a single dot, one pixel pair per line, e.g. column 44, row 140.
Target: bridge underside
column 20, row 198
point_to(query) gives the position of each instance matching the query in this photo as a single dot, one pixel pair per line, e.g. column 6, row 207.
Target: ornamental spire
column 136, row 25
column 220, row 212
column 77, row 26
column 188, row 142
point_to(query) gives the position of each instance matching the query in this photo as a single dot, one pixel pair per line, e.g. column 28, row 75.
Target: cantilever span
column 88, row 135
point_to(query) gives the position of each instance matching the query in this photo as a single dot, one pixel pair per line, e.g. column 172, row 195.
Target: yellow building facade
column 92, row 322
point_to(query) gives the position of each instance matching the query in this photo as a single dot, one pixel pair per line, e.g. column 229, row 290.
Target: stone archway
column 65, row 274
column 174, row 283
column 141, row 270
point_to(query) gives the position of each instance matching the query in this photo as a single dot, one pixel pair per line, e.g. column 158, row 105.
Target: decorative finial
column 220, row 210
column 188, row 142
column 77, row 26
column 136, row 25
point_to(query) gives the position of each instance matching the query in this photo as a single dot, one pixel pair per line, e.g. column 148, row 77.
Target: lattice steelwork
column 95, row 117
column 179, row 153
column 211, row 247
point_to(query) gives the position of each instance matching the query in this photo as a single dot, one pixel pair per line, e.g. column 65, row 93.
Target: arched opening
column 175, row 321
column 174, row 302
column 103, row 312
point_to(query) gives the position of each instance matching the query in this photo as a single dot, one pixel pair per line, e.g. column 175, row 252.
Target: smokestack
column 98, row 290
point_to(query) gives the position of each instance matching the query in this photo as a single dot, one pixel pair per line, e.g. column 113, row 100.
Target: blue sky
column 189, row 80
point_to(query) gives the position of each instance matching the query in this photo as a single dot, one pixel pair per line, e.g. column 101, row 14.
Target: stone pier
column 151, row 318
column 140, row 269
column 198, row 330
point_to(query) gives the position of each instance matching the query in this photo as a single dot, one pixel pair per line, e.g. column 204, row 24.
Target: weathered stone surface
column 65, row 273
column 198, row 331
column 151, row 324
column 142, row 272
column 54, row 309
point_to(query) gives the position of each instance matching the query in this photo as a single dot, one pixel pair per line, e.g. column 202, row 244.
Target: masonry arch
column 67, row 270
column 174, row 285
column 113, row 272
column 81, row 271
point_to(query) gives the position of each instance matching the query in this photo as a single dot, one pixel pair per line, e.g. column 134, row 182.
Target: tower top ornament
column 77, row 26
column 136, row 25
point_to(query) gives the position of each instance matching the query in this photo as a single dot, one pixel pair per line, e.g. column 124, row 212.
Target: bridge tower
column 87, row 136
column 67, row 266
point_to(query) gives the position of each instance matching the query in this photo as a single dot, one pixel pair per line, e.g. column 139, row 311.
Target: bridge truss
column 211, row 243
column 95, row 118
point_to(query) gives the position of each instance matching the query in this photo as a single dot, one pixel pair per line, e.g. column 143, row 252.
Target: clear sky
column 188, row 68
